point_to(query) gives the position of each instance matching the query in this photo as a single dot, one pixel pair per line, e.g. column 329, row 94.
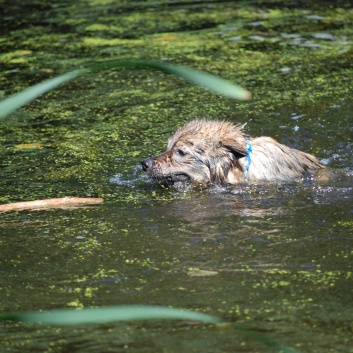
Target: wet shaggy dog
column 218, row 152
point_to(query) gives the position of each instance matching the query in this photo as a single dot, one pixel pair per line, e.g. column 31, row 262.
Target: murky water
column 276, row 258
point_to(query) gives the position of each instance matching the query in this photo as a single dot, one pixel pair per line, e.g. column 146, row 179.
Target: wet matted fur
column 215, row 152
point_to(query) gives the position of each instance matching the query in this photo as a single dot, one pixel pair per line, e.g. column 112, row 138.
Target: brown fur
column 206, row 152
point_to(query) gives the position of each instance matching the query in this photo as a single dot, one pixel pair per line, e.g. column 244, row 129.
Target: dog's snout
column 146, row 164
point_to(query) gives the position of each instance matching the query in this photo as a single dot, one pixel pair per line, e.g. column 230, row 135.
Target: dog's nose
column 146, row 163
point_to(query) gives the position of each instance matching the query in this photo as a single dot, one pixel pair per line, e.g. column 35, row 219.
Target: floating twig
column 62, row 202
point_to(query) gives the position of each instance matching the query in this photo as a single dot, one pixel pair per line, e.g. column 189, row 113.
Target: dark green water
column 273, row 258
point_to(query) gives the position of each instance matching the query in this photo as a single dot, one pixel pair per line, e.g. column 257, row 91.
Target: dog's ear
column 236, row 147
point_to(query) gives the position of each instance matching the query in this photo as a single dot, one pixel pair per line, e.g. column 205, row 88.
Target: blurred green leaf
column 9, row 105
column 130, row 313
column 206, row 80
column 203, row 79
column 109, row 314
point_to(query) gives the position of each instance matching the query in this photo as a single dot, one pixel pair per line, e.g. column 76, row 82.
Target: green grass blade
column 214, row 83
column 9, row 105
column 203, row 79
column 109, row 314
column 131, row 313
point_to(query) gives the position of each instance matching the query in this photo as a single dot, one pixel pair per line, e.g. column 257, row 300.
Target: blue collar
column 247, row 158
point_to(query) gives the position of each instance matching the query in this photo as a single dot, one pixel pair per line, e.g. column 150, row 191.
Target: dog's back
column 273, row 161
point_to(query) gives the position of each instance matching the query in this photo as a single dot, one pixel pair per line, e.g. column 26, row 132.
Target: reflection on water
column 265, row 255
column 275, row 257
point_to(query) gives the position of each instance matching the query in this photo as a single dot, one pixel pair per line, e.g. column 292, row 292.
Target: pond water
column 275, row 258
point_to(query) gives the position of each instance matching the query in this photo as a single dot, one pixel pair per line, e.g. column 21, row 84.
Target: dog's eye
column 180, row 152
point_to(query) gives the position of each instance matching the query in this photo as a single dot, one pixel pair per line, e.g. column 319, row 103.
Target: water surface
column 276, row 258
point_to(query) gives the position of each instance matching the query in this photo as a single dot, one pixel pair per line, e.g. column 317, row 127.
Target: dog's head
column 200, row 152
